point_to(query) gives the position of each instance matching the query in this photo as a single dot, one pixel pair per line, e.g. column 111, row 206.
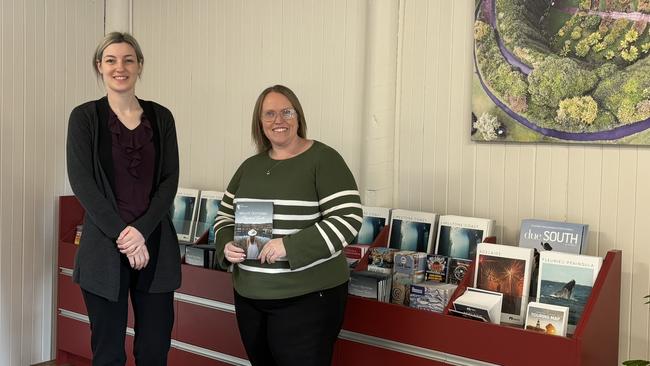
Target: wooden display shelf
column 374, row 333
column 446, row 339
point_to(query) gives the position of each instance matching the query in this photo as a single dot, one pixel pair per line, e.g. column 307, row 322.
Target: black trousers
column 298, row 331
column 154, row 319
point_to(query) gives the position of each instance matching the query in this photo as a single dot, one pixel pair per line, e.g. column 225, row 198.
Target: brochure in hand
column 253, row 226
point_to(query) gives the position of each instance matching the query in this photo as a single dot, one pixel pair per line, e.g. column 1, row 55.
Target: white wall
column 207, row 60
column 441, row 170
column 305, row 44
column 45, row 48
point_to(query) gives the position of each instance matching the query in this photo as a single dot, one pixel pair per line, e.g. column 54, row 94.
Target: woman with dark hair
column 122, row 158
column 291, row 298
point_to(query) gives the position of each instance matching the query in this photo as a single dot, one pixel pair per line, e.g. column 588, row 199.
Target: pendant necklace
column 268, row 172
column 290, row 155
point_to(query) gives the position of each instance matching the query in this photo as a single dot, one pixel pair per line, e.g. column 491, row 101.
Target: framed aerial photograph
column 561, row 71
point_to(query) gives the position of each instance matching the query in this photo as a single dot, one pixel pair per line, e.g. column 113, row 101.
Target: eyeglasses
column 286, row 114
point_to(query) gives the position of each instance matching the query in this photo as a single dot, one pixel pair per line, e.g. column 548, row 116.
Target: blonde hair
column 116, row 37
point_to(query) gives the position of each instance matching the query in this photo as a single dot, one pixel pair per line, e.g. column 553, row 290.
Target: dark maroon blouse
column 134, row 157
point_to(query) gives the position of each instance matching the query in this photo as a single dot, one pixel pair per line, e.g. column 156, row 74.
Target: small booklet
column 209, row 202
column 412, row 230
column 547, row 318
column 505, row 269
column 458, row 236
column 183, row 213
column 437, row 268
column 253, row 226
column 371, row 285
column 374, row 220
column 543, row 235
column 431, row 295
column 457, row 270
column 566, row 280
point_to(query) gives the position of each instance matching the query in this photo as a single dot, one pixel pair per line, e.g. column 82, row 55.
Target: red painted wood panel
column 73, row 336
column 209, row 328
column 67, row 251
column 595, row 341
column 128, row 348
column 69, row 295
column 70, row 215
column 183, row 358
column 597, row 330
column 349, row 353
column 208, row 284
column 66, row 358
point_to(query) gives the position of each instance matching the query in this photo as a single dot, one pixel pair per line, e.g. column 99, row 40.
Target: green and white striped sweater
column 316, row 210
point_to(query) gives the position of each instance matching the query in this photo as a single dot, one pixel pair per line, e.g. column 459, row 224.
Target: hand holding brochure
column 253, row 226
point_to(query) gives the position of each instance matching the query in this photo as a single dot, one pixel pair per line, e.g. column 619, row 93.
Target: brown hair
column 257, row 132
column 116, row 37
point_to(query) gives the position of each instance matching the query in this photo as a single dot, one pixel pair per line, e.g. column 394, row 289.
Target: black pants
column 154, row 319
column 297, row 331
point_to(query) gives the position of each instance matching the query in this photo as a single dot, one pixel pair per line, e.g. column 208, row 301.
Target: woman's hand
column 272, row 251
column 140, row 258
column 129, row 241
column 233, row 253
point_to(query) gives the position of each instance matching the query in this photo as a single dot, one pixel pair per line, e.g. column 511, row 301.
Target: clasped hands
column 131, row 243
column 271, row 252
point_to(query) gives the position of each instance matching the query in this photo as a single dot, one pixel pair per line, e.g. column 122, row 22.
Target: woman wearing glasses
column 290, row 299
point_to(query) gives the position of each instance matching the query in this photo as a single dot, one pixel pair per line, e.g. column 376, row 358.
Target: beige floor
column 49, row 363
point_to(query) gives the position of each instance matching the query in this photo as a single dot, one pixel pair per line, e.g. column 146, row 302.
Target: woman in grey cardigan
column 122, row 157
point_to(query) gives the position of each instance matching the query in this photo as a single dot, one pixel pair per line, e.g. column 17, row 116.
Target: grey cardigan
column 89, row 160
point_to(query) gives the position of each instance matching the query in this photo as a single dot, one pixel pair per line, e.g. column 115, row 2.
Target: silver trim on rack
column 408, row 349
column 231, row 360
column 65, row 271
column 212, row 304
column 204, row 352
column 344, row 334
column 74, row 316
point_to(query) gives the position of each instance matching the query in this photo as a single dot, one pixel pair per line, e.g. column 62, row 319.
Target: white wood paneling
column 640, row 279
column 209, row 60
column 598, row 185
column 45, row 70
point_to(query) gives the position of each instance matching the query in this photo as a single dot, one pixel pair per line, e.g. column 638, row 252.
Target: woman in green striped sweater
column 290, row 299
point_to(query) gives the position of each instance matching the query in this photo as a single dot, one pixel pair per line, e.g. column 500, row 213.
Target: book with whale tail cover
column 566, row 280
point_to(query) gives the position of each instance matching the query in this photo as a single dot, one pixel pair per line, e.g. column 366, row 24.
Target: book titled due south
column 253, row 226
column 553, row 235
